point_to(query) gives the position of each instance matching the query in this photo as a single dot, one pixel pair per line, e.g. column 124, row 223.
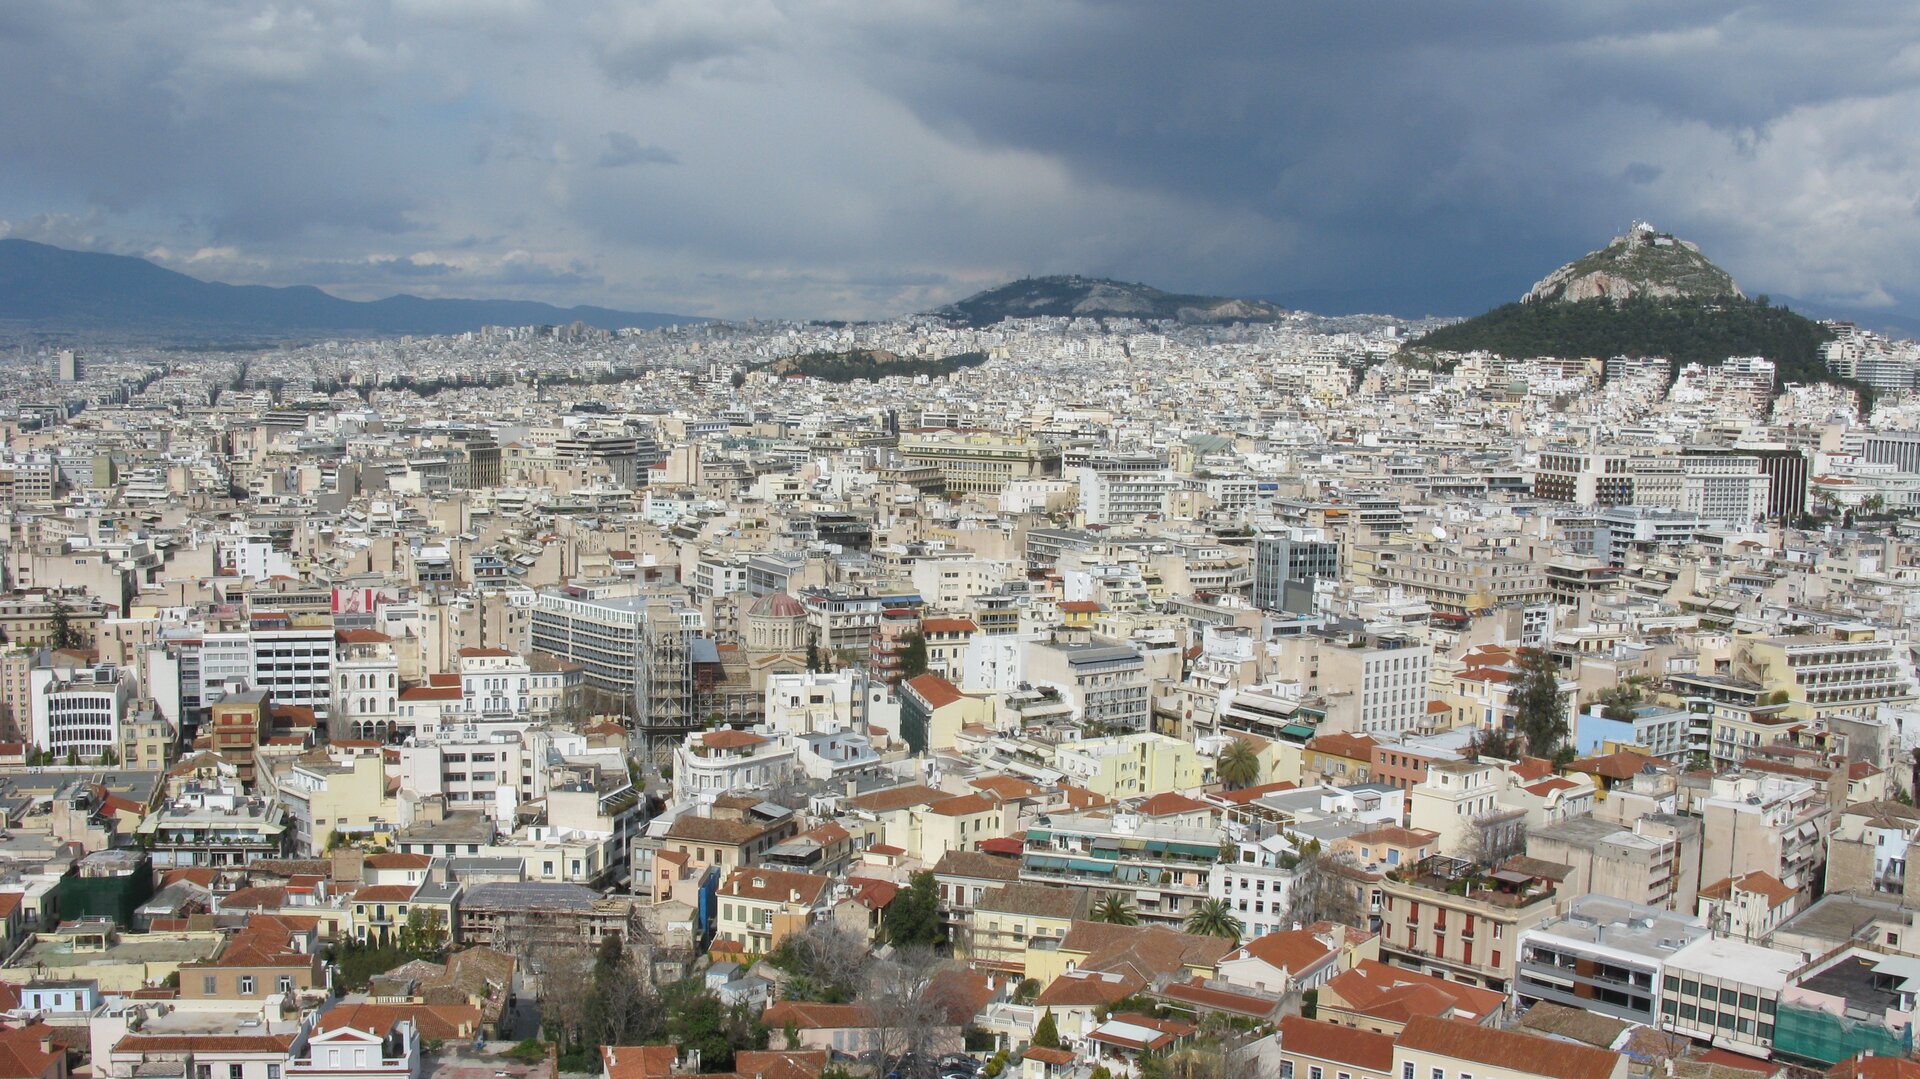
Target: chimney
column 46, row 1040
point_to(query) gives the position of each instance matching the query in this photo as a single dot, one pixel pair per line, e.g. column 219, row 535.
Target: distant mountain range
column 52, row 289
column 1094, row 297
column 1645, row 294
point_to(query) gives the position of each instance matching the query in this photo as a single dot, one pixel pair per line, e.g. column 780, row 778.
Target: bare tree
column 1492, row 841
column 565, row 981
column 903, row 1007
column 824, row 961
column 1327, row 887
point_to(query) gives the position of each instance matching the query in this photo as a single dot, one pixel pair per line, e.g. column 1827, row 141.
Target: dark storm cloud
column 835, row 158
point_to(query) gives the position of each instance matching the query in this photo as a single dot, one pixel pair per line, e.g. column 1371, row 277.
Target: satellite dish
column 1439, row 532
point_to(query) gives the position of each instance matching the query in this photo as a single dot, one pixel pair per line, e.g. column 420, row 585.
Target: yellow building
column 932, row 711
column 956, row 824
column 347, row 797
column 758, row 908
column 1017, row 924
column 1338, row 759
column 1132, row 765
column 1847, row 671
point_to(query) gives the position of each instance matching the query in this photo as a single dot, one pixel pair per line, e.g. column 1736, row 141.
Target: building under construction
column 533, row 920
column 648, row 655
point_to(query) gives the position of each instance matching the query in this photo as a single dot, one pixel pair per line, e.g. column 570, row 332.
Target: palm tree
column 1114, row 909
column 1239, row 764
column 1213, row 918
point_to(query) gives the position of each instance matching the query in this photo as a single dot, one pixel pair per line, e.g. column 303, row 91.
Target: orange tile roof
column 1362, row 1049
column 20, row 1054
column 638, row 1061
column 1167, row 803
column 1509, row 1050
column 935, row 690
column 1292, row 950
column 1355, row 746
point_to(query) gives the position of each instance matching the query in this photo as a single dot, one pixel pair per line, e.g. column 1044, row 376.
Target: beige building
column 1763, row 822
column 759, row 907
column 1460, row 802
column 1747, row 907
column 1470, row 937
column 1614, row 860
column 979, row 462
column 1849, row 671
column 1009, row 923
column 1869, row 850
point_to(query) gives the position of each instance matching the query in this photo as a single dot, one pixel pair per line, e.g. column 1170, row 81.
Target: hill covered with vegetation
column 1096, row 297
column 865, row 363
column 1681, row 330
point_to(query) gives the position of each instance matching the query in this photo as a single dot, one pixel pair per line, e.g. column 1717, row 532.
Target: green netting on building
column 115, row 896
column 1813, row 1035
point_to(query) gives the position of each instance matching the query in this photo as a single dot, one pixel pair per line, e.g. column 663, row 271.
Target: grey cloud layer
column 839, row 158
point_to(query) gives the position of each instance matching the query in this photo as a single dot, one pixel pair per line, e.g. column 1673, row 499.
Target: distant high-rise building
column 1289, row 557
column 71, row 369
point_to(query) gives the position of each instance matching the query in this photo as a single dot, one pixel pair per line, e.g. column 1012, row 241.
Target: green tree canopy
column 1113, row 909
column 1046, row 1035
column 1540, row 706
column 913, row 918
column 1213, row 918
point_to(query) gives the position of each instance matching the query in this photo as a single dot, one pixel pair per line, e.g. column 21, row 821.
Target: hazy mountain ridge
column 1094, row 297
column 51, row 288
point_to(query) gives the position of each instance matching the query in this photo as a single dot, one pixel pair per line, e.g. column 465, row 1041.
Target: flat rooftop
column 1842, row 916
column 59, row 955
column 1618, row 925
column 1870, row 984
column 209, row 1022
column 1736, row 961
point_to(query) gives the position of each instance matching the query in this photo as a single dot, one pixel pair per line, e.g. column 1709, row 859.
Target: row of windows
column 1724, row 994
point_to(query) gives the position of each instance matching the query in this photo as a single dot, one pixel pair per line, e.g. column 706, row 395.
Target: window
column 1766, row 1005
column 1669, row 1006
column 1687, row 1011
column 210, row 985
column 1766, row 1032
column 1729, row 995
column 1726, row 1020
column 1673, row 984
column 236, row 1071
column 273, row 1071
column 1314, row 1072
column 1690, row 988
column 1406, row 1070
column 1748, row 1001
column 286, row 983
column 246, row 985
column 1708, row 1017
column 1286, row 1069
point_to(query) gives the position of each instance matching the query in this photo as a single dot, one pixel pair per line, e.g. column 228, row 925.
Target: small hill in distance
column 869, row 364
column 1094, row 297
column 1647, row 293
column 51, row 289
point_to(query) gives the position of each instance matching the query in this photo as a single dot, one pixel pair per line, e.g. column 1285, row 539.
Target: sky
column 860, row 159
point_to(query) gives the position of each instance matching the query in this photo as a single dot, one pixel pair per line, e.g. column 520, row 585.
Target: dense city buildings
column 1389, row 715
